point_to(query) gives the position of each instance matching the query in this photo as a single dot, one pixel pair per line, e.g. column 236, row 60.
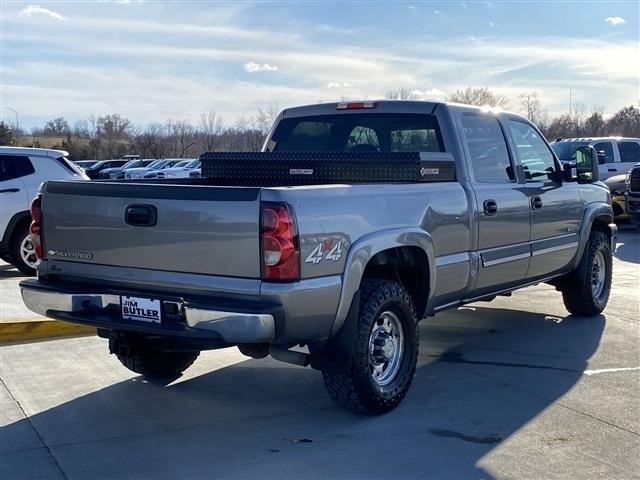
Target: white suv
column 22, row 170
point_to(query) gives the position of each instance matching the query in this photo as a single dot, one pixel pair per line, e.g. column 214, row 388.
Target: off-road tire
column 355, row 390
column 136, row 354
column 15, row 244
column 578, row 296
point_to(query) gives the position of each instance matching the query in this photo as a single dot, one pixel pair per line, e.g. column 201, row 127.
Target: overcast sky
column 153, row 61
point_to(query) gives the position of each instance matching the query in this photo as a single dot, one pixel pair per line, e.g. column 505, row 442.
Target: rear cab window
column 370, row 132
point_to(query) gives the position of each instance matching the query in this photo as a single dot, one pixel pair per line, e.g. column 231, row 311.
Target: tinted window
column 534, row 155
column 629, row 151
column 414, row 140
column 487, row 149
column 363, row 139
column 358, row 132
column 13, row 166
column 566, row 151
column 69, row 166
column 605, row 152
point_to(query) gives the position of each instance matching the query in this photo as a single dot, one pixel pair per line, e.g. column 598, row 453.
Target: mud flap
column 335, row 356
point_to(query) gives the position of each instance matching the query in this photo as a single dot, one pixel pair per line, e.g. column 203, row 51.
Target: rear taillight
column 35, row 230
column 279, row 242
column 356, row 105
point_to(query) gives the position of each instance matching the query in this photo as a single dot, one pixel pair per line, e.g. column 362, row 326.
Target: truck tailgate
column 196, row 229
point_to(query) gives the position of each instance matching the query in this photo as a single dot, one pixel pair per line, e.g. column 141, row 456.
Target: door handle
column 490, row 207
column 536, row 203
column 10, row 190
column 612, row 169
column 141, row 215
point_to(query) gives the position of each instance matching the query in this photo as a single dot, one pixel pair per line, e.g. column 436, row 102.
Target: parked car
column 632, row 195
column 150, row 170
column 93, row 172
column 22, row 170
column 179, row 170
column 119, row 172
column 84, row 164
column 616, row 155
column 617, row 187
column 358, row 220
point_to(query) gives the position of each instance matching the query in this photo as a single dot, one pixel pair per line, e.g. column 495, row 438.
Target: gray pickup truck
column 357, row 220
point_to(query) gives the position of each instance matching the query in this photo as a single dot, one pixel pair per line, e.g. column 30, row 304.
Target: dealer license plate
column 141, row 309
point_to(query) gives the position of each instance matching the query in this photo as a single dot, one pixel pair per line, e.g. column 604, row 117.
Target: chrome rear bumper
column 89, row 308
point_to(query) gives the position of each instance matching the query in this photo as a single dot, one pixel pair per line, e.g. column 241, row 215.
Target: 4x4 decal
column 333, row 252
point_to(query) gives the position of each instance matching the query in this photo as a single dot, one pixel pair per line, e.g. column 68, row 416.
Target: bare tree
column 58, row 127
column 150, row 141
column 479, row 96
column 578, row 115
column 625, row 122
column 210, row 130
column 402, row 93
column 113, row 131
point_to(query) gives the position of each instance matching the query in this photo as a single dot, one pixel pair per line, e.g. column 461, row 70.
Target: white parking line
column 609, row 370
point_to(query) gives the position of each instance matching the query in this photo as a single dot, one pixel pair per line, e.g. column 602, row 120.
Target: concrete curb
column 31, row 329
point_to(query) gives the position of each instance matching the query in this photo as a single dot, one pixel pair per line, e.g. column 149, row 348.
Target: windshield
column 193, row 164
column 181, row 164
column 154, row 164
column 567, row 150
column 132, row 164
column 370, row 132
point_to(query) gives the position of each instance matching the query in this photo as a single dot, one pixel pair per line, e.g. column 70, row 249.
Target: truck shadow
column 628, row 247
column 483, row 374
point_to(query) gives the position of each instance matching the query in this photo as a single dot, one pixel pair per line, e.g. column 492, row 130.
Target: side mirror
column 569, row 172
column 587, row 165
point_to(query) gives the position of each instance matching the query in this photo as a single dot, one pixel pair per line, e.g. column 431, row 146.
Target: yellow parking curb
column 21, row 330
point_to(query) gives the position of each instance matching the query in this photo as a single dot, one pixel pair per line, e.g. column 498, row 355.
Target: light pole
column 17, row 117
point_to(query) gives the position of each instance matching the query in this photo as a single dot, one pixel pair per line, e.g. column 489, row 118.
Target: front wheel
column 385, row 354
column 587, row 291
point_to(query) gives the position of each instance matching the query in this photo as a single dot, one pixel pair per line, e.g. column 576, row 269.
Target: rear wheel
column 22, row 251
column 586, row 292
column 137, row 355
column 385, row 353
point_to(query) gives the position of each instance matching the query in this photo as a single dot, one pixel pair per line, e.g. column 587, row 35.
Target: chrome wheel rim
column 28, row 252
column 598, row 275
column 386, row 348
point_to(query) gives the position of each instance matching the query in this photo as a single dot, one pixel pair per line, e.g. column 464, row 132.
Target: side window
column 12, row 166
column 362, row 139
column 605, row 152
column 534, row 155
column 414, row 140
column 629, row 151
column 487, row 148
column 68, row 165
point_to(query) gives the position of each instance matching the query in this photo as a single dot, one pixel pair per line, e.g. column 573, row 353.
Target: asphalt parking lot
column 515, row 388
